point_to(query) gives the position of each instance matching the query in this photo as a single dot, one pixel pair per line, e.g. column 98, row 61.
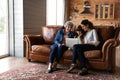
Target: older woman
column 58, row 48
column 90, row 43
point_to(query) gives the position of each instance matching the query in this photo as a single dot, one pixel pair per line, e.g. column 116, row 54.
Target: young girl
column 80, row 34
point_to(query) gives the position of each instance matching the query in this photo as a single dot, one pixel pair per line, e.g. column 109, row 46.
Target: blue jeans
column 57, row 52
column 78, row 52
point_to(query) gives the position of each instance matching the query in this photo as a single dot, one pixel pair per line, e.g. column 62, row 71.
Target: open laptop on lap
column 72, row 41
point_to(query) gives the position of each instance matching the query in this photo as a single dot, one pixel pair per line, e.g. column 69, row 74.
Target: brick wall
column 77, row 17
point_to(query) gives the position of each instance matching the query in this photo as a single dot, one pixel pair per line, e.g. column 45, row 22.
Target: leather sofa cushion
column 68, row 55
column 49, row 33
column 43, row 49
column 93, row 54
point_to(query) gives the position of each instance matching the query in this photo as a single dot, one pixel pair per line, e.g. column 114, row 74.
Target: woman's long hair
column 87, row 23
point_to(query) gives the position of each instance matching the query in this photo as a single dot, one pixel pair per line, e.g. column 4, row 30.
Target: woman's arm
column 59, row 36
column 95, row 37
column 92, row 38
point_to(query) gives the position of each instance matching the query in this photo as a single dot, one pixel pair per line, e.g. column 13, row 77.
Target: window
column 55, row 12
column 3, row 27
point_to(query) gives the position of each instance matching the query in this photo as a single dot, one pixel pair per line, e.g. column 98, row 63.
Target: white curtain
column 55, row 12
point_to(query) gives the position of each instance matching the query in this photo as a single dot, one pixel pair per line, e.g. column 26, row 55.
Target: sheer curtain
column 55, row 12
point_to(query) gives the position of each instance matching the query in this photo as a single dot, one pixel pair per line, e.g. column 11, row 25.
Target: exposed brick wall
column 77, row 17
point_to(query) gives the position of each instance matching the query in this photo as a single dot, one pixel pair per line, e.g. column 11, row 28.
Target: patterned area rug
column 36, row 71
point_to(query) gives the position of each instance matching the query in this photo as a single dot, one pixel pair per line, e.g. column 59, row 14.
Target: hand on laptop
column 61, row 44
column 69, row 48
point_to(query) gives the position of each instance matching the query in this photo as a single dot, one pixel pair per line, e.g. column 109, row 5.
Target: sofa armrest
column 32, row 40
column 108, row 53
column 108, row 45
column 108, row 50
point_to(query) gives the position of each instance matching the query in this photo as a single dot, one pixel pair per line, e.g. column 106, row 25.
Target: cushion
column 41, row 49
column 104, row 34
column 49, row 33
column 68, row 55
column 93, row 54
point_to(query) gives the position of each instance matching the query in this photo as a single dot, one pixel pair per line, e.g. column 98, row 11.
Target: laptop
column 72, row 41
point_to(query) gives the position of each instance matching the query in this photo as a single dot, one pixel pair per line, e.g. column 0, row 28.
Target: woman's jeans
column 57, row 52
column 78, row 52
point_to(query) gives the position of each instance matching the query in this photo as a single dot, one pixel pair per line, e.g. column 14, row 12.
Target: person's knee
column 75, row 47
column 53, row 47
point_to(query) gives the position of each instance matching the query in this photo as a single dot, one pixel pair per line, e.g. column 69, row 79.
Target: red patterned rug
column 36, row 71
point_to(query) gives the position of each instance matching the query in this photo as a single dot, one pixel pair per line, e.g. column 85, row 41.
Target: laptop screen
column 72, row 41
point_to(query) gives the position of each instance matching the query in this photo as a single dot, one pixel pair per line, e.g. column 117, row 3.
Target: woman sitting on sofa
column 90, row 43
column 58, row 48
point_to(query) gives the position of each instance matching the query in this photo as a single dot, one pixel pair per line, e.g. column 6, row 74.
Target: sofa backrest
column 49, row 33
column 104, row 33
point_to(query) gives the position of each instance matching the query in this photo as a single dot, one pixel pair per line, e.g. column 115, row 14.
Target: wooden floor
column 9, row 63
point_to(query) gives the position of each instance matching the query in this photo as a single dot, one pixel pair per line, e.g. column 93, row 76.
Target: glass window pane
column 51, row 12
column 3, row 27
column 55, row 12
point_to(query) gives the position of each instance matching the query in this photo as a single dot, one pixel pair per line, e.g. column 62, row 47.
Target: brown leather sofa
column 38, row 47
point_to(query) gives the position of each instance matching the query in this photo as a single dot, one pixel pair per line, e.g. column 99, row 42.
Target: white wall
column 18, row 27
column 11, row 29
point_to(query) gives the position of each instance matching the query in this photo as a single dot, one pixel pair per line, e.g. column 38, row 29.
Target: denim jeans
column 78, row 53
column 57, row 52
